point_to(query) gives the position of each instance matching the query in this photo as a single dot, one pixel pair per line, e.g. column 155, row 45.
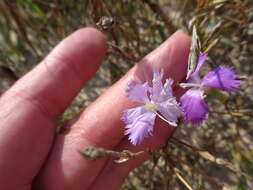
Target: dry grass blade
column 209, row 157
column 216, row 29
column 194, row 53
column 21, row 28
column 212, row 45
column 176, row 172
column 221, row 162
column 118, row 51
column 156, row 9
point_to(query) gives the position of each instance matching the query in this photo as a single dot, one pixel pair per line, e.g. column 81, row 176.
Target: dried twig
column 177, row 173
column 156, row 9
column 115, row 49
column 209, row 157
column 20, row 23
column 94, row 153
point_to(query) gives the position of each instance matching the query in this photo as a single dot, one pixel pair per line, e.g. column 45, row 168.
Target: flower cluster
column 157, row 100
column 192, row 102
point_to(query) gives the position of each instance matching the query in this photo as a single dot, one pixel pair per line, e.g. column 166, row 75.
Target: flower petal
column 223, row 78
column 138, row 92
column 130, row 115
column 160, row 92
column 194, row 106
column 168, row 93
column 139, row 124
column 201, row 61
column 157, row 85
column 171, row 110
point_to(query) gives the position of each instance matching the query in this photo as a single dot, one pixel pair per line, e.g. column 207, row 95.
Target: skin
column 32, row 156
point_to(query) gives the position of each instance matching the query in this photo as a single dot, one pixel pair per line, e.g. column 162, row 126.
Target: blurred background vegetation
column 217, row 155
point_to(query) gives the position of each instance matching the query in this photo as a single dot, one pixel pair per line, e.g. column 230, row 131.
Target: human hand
column 32, row 156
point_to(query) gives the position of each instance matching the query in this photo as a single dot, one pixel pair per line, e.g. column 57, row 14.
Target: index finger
column 30, row 109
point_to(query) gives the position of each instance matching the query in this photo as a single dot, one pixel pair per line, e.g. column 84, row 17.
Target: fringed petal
column 157, row 85
column 138, row 92
column 194, row 106
column 139, row 124
column 171, row 110
column 223, row 78
column 160, row 92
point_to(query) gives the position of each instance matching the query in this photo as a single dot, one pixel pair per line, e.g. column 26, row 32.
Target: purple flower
column 157, row 100
column 195, row 108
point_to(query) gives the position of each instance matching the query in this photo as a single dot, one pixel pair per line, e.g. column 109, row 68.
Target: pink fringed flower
column 156, row 100
column 195, row 108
